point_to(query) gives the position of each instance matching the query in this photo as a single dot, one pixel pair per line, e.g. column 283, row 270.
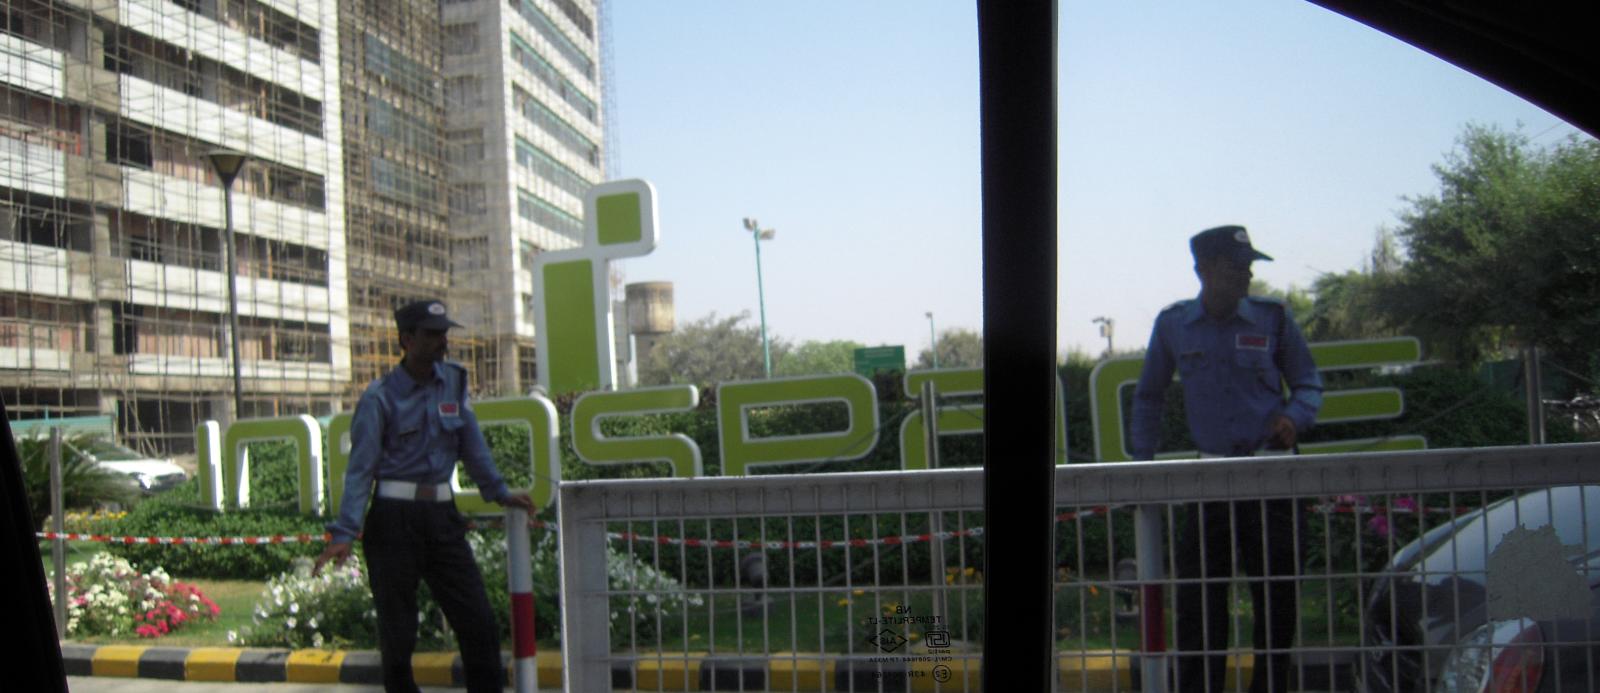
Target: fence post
column 1533, row 387
column 58, row 546
column 1148, row 551
column 519, row 566
column 585, row 590
column 930, row 431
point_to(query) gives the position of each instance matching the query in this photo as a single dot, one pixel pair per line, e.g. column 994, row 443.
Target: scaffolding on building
column 112, row 221
column 359, row 195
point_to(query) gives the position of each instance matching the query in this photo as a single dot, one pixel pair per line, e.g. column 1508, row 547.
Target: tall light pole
column 933, row 340
column 1107, row 327
column 228, row 164
column 759, row 234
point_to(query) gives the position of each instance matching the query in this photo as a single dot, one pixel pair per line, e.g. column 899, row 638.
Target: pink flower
column 1379, row 525
column 1407, row 504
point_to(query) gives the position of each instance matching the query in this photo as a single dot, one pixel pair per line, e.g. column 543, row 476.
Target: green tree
column 1298, row 301
column 1503, row 255
column 958, row 348
column 710, row 350
column 819, row 358
column 1349, row 305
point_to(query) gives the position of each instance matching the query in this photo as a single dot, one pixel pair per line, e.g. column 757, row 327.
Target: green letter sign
column 740, row 451
column 572, row 316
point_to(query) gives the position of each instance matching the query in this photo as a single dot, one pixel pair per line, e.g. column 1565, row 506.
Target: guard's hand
column 338, row 552
column 1283, row 434
column 520, row 499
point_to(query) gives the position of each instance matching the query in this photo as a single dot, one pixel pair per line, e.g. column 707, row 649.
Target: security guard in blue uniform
column 1233, row 353
column 410, row 428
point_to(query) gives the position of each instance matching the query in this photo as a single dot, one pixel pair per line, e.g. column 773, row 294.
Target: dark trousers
column 1210, row 543
column 410, row 541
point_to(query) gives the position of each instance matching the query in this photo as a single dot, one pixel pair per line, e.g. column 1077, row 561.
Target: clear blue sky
column 852, row 128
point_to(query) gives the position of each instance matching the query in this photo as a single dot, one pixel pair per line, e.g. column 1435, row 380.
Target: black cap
column 428, row 315
column 1229, row 241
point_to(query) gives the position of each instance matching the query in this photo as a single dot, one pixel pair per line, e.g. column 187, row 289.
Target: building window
column 547, row 28
column 547, row 120
column 540, row 212
column 469, row 199
column 530, row 60
column 461, row 39
column 464, row 146
column 464, row 92
column 579, row 18
column 543, row 165
column 399, row 71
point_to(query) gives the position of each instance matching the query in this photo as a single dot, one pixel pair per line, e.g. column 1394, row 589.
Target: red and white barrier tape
column 693, row 542
column 179, row 541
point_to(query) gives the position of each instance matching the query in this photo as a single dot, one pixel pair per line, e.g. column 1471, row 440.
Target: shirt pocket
column 1190, row 363
column 1260, row 366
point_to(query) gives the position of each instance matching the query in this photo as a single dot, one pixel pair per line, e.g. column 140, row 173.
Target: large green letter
column 208, row 463
column 538, row 415
column 740, row 452
column 338, row 458
column 954, row 419
column 595, row 448
column 307, row 437
column 573, row 320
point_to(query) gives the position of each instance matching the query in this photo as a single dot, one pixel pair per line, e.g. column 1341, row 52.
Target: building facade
column 398, row 150
column 113, row 284
column 524, row 133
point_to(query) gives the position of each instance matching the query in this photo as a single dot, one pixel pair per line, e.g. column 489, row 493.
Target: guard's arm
column 1301, row 375
column 366, row 444
column 1151, row 395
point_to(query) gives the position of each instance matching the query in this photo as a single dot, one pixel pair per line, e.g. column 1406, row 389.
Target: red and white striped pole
column 519, row 560
column 1149, row 550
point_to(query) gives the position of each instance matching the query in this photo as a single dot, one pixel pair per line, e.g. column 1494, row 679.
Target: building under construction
column 398, row 149
column 113, row 223
column 525, row 127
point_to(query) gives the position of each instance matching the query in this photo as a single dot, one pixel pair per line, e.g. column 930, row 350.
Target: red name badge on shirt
column 449, row 409
column 1254, row 342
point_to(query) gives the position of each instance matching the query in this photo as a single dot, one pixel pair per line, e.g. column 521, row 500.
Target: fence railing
column 1407, row 568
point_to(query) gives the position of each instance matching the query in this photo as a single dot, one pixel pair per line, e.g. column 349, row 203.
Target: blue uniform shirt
column 413, row 431
column 1232, row 372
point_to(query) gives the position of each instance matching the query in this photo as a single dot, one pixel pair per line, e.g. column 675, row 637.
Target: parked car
column 1452, row 614
column 149, row 473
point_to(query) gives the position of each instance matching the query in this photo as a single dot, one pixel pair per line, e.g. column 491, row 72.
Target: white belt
column 411, row 490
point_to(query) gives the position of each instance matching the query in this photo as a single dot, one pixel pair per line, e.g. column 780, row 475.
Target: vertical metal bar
column 930, row 430
column 1153, row 628
column 1017, row 64
column 1533, row 386
column 58, row 547
column 233, row 302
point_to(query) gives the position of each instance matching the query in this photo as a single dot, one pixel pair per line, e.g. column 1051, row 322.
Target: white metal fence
column 1401, row 580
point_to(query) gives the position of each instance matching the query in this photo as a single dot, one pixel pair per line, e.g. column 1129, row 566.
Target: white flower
column 233, row 636
column 291, row 623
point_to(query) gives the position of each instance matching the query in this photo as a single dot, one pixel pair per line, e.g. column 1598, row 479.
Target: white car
column 151, row 474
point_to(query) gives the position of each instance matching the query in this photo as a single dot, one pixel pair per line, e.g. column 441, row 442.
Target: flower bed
column 107, row 596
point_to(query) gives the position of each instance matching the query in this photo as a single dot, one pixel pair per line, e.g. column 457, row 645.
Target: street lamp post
column 228, row 164
column 933, row 341
column 759, row 234
column 1107, row 327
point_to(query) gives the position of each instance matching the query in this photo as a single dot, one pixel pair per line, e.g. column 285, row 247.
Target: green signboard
column 884, row 358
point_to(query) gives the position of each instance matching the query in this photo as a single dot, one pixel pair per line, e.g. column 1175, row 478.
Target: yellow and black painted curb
column 694, row 671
